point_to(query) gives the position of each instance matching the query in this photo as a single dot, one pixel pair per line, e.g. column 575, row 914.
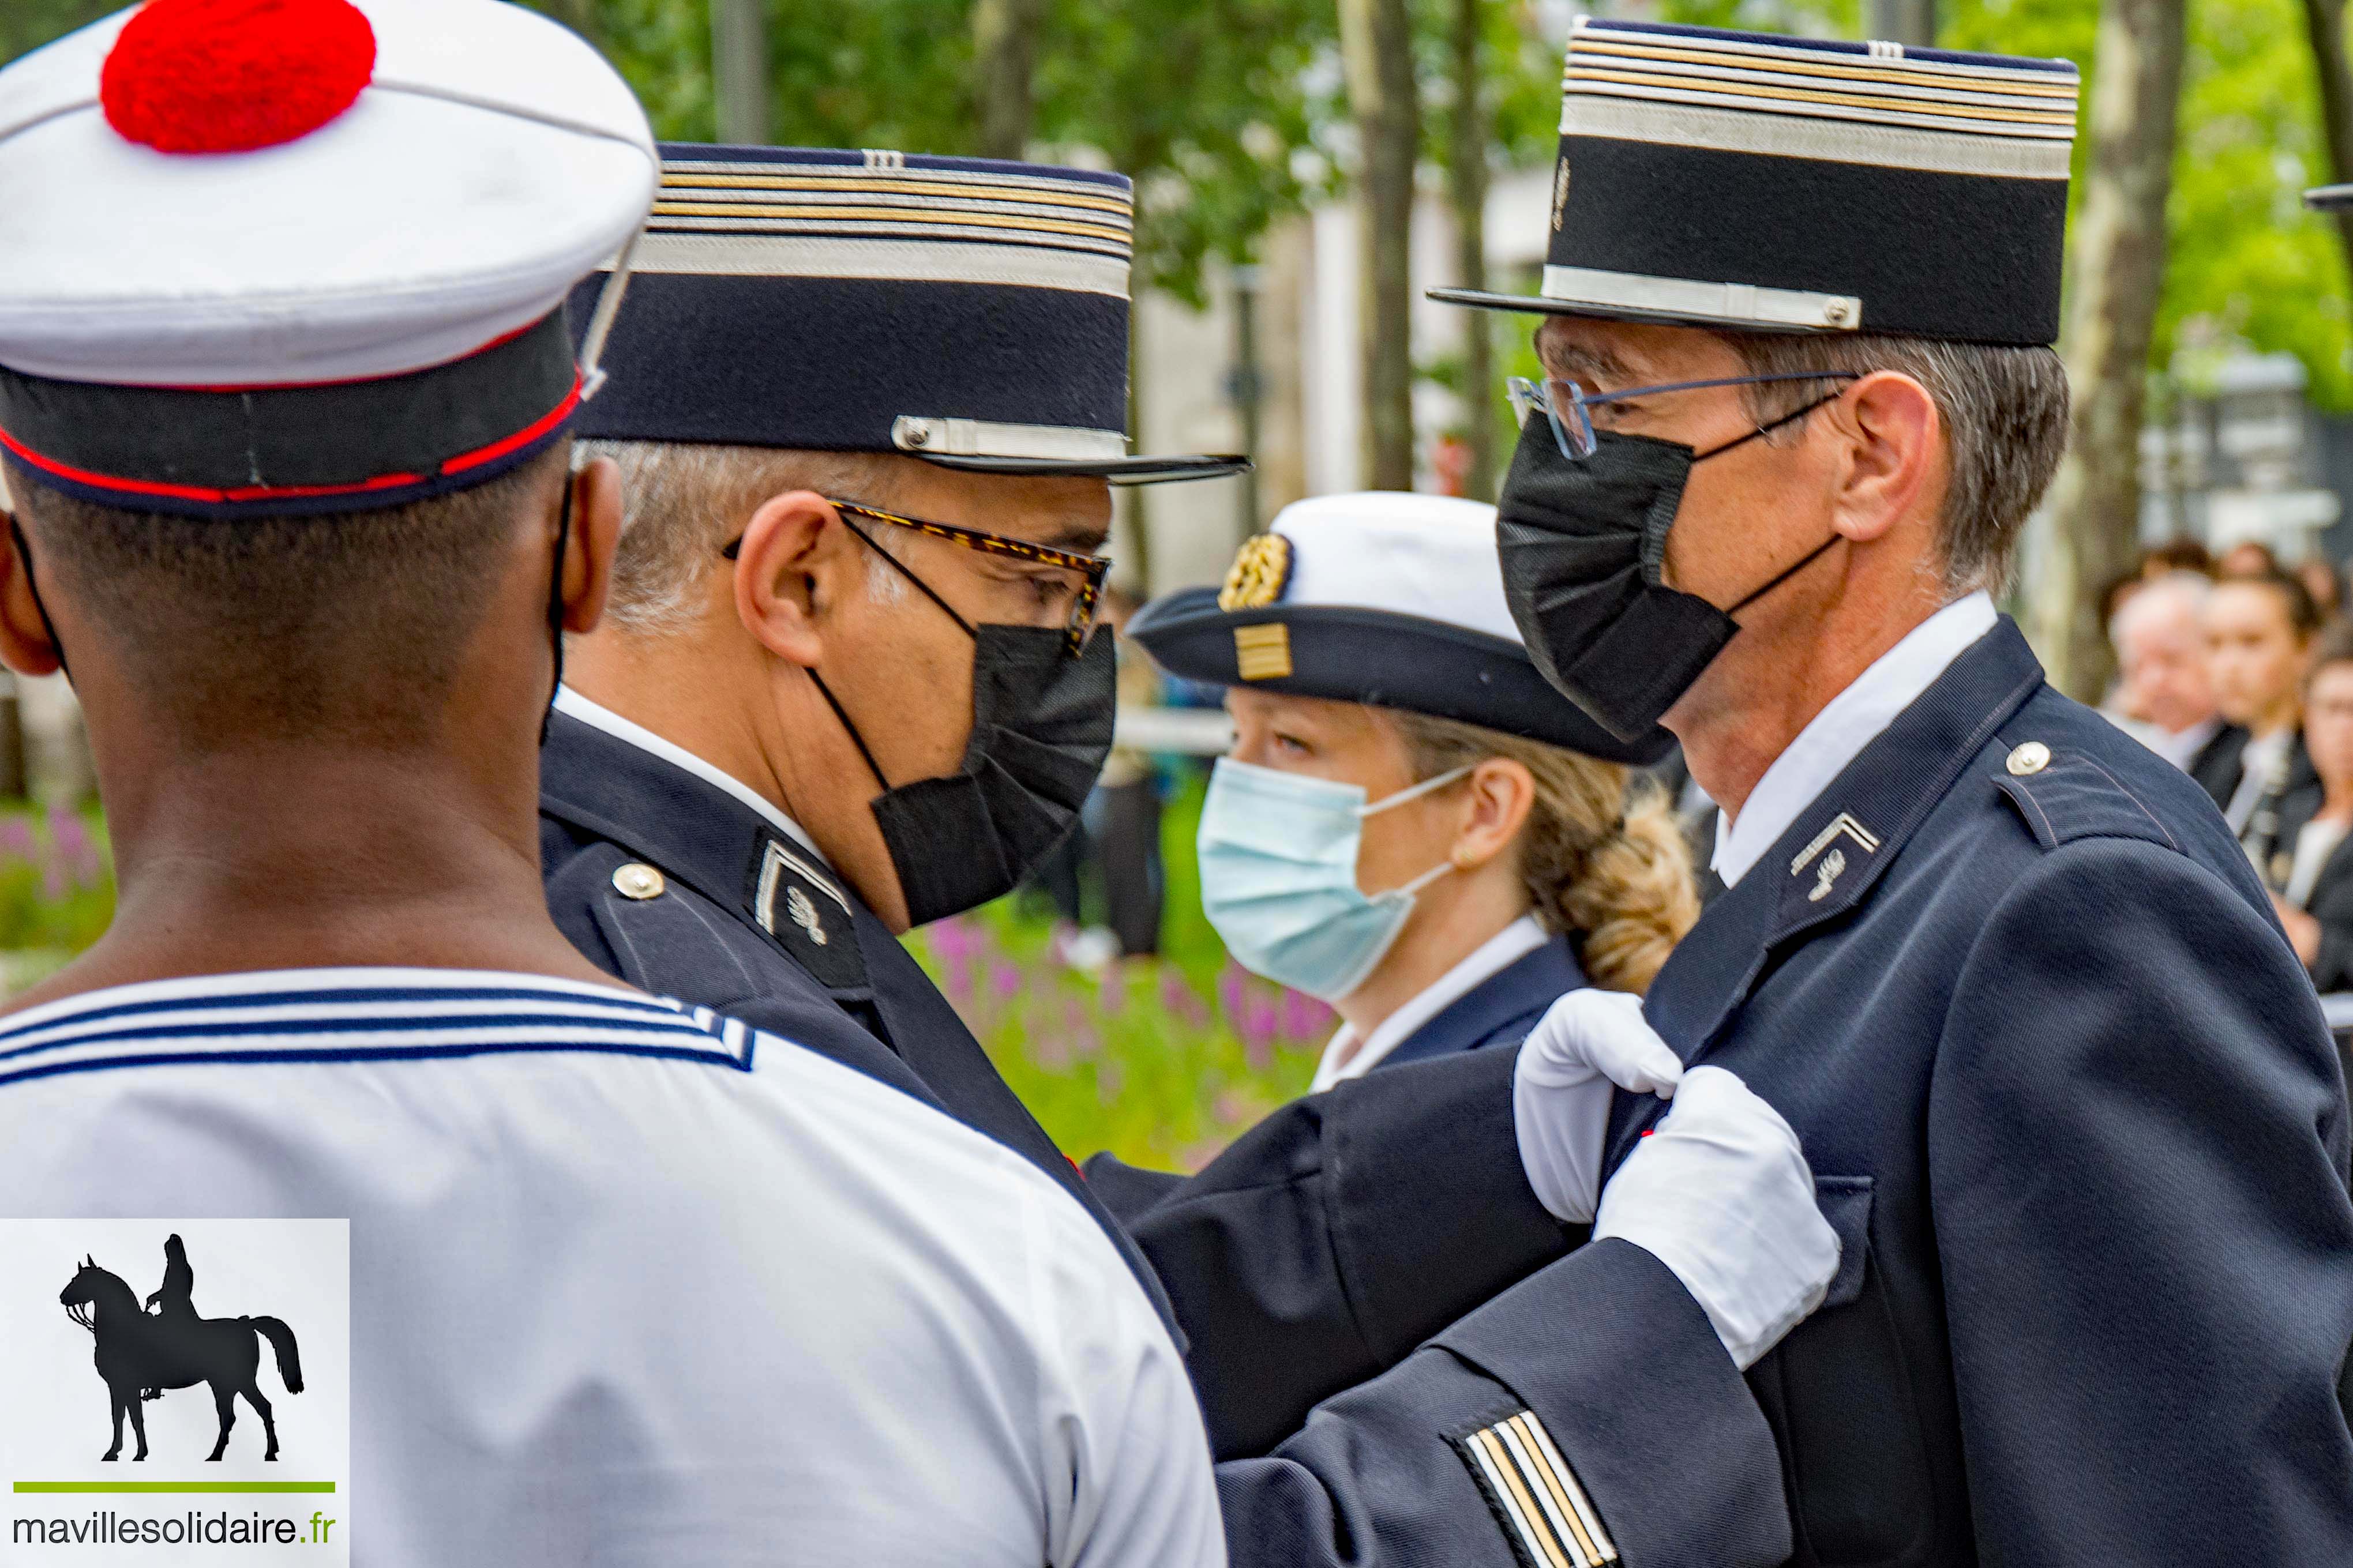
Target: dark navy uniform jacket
column 1498, row 1011
column 1323, row 1272
column 2083, row 1133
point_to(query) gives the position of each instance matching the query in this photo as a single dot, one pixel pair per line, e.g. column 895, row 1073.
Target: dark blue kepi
column 969, row 312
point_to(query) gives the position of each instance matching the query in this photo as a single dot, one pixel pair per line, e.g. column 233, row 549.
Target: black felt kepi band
column 273, row 451
column 1385, row 660
column 829, row 364
column 1967, row 257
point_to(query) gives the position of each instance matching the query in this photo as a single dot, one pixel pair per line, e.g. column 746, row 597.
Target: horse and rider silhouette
column 140, row 1353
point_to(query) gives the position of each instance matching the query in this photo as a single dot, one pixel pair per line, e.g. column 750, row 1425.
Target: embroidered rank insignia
column 1262, row 652
column 1844, row 824
column 1544, row 1513
column 800, row 905
column 1261, row 570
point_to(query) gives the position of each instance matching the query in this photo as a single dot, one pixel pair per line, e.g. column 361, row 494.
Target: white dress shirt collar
column 1491, row 958
column 1847, row 723
column 570, row 704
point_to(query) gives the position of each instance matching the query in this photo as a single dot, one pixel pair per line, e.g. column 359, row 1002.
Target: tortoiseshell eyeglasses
column 1087, row 572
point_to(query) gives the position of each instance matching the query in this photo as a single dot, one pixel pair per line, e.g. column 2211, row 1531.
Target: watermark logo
column 179, row 1386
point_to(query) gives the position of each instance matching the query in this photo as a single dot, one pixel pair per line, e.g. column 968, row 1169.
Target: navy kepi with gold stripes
column 1764, row 183
column 967, row 311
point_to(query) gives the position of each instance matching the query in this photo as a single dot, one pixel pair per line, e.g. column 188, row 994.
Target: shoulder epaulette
column 2065, row 794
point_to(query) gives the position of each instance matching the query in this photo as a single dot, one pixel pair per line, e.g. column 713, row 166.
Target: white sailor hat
column 1386, row 598
column 1755, row 183
column 302, row 256
column 965, row 310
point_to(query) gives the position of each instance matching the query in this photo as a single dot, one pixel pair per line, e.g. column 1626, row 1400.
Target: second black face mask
column 1581, row 544
column 1041, row 728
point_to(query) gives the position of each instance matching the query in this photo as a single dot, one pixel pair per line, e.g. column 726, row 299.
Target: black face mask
column 1041, row 729
column 1582, row 546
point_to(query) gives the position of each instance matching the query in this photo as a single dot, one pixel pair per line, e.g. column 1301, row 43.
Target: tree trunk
column 1467, row 186
column 1377, row 48
column 1005, row 67
column 2119, row 271
column 2324, row 23
column 739, row 70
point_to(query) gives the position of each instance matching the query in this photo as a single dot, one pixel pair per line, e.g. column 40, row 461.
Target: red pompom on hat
column 229, row 76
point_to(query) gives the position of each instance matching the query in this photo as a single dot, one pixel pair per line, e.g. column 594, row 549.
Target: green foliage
column 26, row 25
column 1213, row 107
column 56, row 890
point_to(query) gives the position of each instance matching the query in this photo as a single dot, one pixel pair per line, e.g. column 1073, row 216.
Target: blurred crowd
column 2239, row 670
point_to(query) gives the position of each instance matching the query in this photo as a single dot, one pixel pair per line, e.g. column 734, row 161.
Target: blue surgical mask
column 1279, row 876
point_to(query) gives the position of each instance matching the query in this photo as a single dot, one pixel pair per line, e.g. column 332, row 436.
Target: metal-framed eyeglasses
column 1088, row 571
column 1568, row 406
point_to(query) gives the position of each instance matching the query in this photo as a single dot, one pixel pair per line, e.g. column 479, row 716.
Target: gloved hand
column 1590, row 1042
column 1720, row 1193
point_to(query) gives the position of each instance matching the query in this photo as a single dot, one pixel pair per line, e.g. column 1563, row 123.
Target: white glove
column 1720, row 1193
column 1590, row 1041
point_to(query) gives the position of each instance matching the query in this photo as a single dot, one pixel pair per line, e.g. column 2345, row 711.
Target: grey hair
column 683, row 503
column 2005, row 417
column 2187, row 590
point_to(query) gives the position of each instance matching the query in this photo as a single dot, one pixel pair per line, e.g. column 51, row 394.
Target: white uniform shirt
column 635, row 1284
column 1847, row 723
column 1342, row 1060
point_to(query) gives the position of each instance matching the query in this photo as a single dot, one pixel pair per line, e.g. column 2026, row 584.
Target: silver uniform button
column 2030, row 758
column 637, row 880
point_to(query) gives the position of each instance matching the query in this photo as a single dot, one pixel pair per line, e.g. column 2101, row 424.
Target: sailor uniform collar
column 698, row 832
column 354, row 1015
column 1836, row 849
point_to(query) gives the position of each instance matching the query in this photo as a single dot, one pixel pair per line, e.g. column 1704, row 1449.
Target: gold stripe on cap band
column 692, row 179
column 1923, row 74
column 886, row 216
column 1262, row 652
column 1837, row 137
column 1713, row 88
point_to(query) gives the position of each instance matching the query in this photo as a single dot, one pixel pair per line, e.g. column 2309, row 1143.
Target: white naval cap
column 1382, row 597
column 269, row 256
column 1410, row 554
column 267, row 192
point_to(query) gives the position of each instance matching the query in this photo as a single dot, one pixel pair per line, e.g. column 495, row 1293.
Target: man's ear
column 790, row 572
column 1498, row 796
column 1895, row 462
column 26, row 646
column 596, row 535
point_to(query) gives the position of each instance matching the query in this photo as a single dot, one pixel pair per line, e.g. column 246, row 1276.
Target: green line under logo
column 175, row 1486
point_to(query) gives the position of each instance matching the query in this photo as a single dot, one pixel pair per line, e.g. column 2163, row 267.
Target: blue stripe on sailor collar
column 355, row 1015
column 1866, row 815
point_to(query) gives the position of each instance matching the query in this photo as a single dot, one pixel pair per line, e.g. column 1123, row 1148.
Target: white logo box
column 64, row 1503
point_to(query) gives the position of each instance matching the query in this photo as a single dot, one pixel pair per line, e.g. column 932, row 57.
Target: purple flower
column 1232, row 989
column 1256, row 1030
column 955, row 940
column 1113, row 996
column 1303, row 1017
column 1004, row 978
column 16, row 838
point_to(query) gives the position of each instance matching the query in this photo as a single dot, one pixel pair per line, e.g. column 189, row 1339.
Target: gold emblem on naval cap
column 1260, row 569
